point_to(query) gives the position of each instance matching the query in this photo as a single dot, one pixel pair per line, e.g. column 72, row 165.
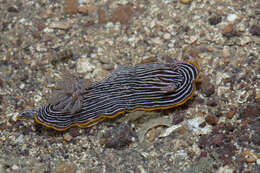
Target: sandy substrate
column 218, row 130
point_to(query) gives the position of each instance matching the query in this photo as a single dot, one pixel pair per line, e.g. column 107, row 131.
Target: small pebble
column 258, row 162
column 206, row 87
column 227, row 29
column 13, row 10
column 214, row 20
column 231, row 18
column 20, row 139
column 60, row 25
column 167, row 36
column 185, row 1
column 255, row 30
column 41, row 26
column 212, row 102
column 122, row 14
column 218, row 139
column 84, row 66
column 212, row 120
column 230, row 114
column 157, row 41
column 15, row 167
column 87, row 9
column 70, row 6
column 244, row 41
column 256, row 139
column 118, row 137
column 102, row 16
column 203, row 124
column 65, row 167
column 194, row 126
column 67, row 137
column 226, row 52
column 249, row 156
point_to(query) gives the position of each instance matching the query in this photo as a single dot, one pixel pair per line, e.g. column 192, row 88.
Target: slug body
column 144, row 87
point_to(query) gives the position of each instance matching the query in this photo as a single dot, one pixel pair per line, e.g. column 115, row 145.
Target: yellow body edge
column 95, row 120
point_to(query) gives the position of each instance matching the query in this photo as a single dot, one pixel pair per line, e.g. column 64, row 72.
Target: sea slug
column 147, row 87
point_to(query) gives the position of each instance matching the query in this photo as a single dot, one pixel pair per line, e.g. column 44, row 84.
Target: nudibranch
column 146, row 87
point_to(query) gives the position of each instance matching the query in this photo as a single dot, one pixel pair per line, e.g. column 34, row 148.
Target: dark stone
column 229, row 127
column 1, row 83
column 178, row 118
column 212, row 120
column 230, row 31
column 212, row 103
column 252, row 110
column 256, row 139
column 243, row 138
column 74, row 132
column 207, row 88
column 217, row 140
column 1, row 99
column 203, row 154
column 255, row 30
column 13, row 10
column 118, row 137
column 203, row 141
column 199, row 100
column 203, row 124
column 214, row 20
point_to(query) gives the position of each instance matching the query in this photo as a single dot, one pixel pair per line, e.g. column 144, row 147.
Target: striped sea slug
column 146, row 87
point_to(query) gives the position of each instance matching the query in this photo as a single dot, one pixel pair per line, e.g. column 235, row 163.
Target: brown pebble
column 122, row 14
column 249, row 156
column 1, row 83
column 231, row 113
column 151, row 134
column 74, row 132
column 217, row 140
column 41, row 26
column 212, row 103
column 61, row 56
column 256, row 138
column 227, row 29
column 199, row 100
column 36, row 35
column 257, row 98
column 60, row 25
column 89, row 23
column 178, row 117
column 102, row 17
column 243, row 138
column 149, row 60
column 118, row 137
column 214, row 20
column 212, row 120
column 186, row 1
column 3, row 126
column 255, row 30
column 87, row 9
column 203, row 154
column 71, row 6
column 206, row 87
column 252, row 110
column 203, row 141
column 65, row 167
column 229, row 127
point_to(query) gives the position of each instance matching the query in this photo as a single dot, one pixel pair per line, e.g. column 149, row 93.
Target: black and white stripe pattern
column 144, row 87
